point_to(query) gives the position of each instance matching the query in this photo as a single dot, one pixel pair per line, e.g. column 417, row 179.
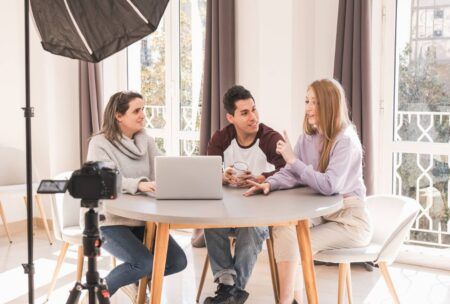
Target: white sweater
column 134, row 158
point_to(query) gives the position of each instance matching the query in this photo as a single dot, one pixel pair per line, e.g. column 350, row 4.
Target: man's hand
column 257, row 188
column 228, row 176
column 147, row 187
column 237, row 178
column 284, row 148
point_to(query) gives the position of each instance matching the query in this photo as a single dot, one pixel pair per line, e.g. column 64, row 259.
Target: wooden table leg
column 159, row 262
column 150, row 231
column 304, row 243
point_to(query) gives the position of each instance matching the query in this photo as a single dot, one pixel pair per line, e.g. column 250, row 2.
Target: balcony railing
column 425, row 177
column 188, row 134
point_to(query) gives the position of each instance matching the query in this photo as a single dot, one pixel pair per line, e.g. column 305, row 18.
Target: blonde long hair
column 333, row 116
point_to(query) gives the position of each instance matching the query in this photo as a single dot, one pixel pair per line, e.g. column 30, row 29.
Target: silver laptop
column 188, row 177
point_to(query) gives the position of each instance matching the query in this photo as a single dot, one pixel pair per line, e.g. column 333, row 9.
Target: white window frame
column 388, row 69
column 415, row 254
column 172, row 134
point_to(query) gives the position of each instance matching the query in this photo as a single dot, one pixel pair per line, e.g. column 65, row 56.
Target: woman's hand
column 257, row 188
column 147, row 187
column 284, row 148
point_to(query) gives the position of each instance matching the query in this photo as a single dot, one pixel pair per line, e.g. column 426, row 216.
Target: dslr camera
column 93, row 182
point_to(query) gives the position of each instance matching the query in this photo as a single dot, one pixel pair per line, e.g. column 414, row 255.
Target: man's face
column 245, row 118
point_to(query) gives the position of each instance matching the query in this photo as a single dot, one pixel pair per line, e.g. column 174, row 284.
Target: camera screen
column 52, row 186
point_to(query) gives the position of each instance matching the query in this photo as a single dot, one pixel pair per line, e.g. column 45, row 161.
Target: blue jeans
column 249, row 243
column 125, row 243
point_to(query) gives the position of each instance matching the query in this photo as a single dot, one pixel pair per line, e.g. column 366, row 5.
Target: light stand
column 28, row 113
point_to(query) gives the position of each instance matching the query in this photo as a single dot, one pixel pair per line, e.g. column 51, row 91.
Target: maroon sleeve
column 268, row 144
column 221, row 140
column 215, row 146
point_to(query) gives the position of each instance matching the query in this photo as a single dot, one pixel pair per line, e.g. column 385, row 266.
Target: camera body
column 94, row 181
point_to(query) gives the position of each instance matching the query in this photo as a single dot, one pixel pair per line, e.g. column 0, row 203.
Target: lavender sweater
column 343, row 174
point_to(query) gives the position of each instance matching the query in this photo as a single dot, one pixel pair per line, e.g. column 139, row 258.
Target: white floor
column 414, row 284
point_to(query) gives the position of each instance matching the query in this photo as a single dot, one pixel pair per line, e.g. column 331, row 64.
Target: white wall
column 54, row 96
column 283, row 46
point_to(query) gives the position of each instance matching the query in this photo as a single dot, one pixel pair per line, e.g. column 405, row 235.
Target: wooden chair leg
column 43, row 217
column 61, row 257
column 341, row 282
column 202, row 279
column 113, row 262
column 387, row 278
column 5, row 223
column 273, row 270
column 80, row 262
column 349, row 284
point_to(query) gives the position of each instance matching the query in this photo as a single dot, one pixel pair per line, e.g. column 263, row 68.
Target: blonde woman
column 327, row 158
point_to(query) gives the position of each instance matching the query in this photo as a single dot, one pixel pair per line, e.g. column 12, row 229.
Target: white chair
column 13, row 179
column 66, row 228
column 392, row 217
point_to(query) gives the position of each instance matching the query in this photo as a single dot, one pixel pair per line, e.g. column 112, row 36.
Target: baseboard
column 437, row 258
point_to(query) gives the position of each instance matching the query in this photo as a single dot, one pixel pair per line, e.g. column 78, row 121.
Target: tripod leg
column 102, row 294
column 75, row 293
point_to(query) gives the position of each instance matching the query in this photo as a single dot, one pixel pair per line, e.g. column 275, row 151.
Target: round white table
column 286, row 207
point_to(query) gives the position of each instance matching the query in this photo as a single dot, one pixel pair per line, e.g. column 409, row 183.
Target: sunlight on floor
column 414, row 284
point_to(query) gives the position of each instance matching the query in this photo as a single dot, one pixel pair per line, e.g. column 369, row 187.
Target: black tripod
column 91, row 247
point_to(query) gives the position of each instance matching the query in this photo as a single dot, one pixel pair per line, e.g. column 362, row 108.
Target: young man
column 248, row 150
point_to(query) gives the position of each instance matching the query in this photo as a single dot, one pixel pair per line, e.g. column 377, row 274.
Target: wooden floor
column 414, row 284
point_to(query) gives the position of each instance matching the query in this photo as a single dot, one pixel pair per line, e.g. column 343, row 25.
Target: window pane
column 189, row 147
column 425, row 177
column 422, row 114
column 422, row 107
column 153, row 85
column 192, row 48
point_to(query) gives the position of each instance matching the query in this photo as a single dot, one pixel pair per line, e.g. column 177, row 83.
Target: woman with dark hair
column 327, row 158
column 123, row 141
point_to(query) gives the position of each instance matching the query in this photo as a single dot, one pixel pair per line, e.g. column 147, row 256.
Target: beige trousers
column 346, row 228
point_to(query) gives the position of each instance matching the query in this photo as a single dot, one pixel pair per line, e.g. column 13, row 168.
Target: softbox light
column 92, row 30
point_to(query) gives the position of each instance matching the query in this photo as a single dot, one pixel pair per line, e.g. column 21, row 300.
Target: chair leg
column 61, row 257
column 5, row 223
column 43, row 217
column 202, row 279
column 80, row 262
column 349, row 284
column 273, row 270
column 341, row 282
column 387, row 278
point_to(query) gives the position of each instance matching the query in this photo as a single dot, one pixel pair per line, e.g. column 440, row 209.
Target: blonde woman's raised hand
column 284, row 148
column 257, row 188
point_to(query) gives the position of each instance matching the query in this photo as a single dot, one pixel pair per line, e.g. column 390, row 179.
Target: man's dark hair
column 234, row 94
